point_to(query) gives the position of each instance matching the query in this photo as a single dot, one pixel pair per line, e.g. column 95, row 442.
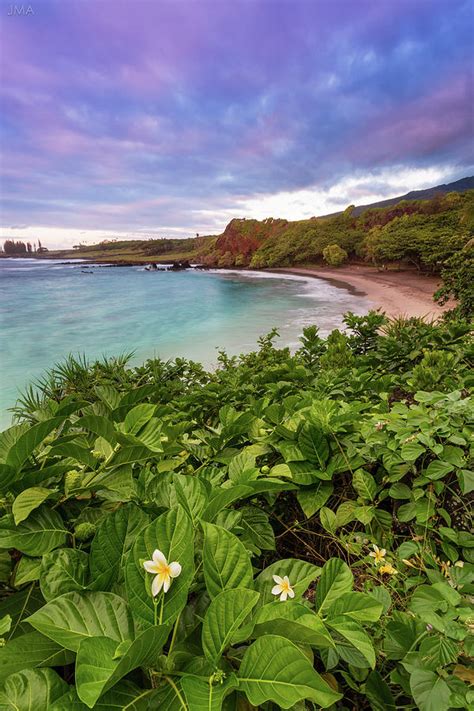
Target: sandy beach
column 403, row 293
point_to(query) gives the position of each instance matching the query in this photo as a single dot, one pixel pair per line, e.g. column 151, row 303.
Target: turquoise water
column 50, row 309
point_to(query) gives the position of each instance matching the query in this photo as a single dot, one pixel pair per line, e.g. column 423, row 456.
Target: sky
column 146, row 118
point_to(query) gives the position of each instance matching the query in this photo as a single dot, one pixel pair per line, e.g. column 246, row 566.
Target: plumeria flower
column 162, row 570
column 378, row 554
column 387, row 569
column 282, row 587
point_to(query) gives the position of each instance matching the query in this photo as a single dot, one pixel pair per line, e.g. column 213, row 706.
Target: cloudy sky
column 141, row 118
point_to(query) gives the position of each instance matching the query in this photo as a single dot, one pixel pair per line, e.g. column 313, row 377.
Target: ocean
column 49, row 309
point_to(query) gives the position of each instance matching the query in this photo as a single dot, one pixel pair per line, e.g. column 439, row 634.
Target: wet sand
column 397, row 293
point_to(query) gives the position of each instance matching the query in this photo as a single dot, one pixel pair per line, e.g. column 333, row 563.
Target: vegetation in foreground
column 289, row 531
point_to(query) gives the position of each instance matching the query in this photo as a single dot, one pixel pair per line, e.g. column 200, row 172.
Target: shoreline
column 397, row 293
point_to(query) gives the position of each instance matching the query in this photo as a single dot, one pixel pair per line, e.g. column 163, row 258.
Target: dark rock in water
column 83, row 271
column 203, row 267
column 179, row 266
column 151, row 267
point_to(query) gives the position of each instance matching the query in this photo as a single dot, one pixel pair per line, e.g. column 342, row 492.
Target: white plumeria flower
column 162, row 570
column 378, row 554
column 282, row 587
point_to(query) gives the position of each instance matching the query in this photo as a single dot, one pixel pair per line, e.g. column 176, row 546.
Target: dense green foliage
column 345, row 467
column 334, row 255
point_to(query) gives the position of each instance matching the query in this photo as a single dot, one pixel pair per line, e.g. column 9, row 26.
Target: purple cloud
column 141, row 114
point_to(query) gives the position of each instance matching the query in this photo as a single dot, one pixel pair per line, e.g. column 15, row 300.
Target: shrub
column 334, row 255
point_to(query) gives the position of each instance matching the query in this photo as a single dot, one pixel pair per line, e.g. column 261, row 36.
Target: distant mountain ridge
column 459, row 186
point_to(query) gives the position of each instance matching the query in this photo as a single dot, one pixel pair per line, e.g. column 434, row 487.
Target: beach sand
column 398, row 293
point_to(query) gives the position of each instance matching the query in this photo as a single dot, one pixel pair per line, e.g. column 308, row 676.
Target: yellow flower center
column 285, row 587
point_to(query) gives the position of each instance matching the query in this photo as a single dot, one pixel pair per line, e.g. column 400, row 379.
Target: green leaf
column 226, row 562
column 27, row 501
column 27, row 570
column 437, row 469
column 111, row 544
column 354, row 635
column 364, row 484
column 203, row 695
column 431, row 693
column 98, row 666
column 100, row 426
column 336, row 579
column 190, row 492
column 124, row 696
column 328, row 519
column 20, row 605
column 32, row 690
column 274, row 669
column 172, row 534
column 29, row 441
column 75, row 616
column 63, row 571
column 295, row 622
column 311, row 499
column 137, row 417
column 224, row 616
column 314, row 445
column 257, row 529
column 221, row 498
column 31, row 650
column 411, row 451
column 43, row 531
column 378, row 692
column 5, row 625
column 359, row 606
column 300, row 574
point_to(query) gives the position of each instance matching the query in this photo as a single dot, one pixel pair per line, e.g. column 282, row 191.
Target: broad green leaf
column 205, row 695
column 378, row 692
column 311, row 499
column 362, row 653
column 137, row 417
column 32, row 690
column 75, row 616
column 124, row 696
column 336, row 579
column 29, row 441
column 293, row 621
column 62, row 571
column 28, row 500
column 364, row 484
column 314, row 445
column 300, row 574
column 221, row 498
column 224, row 616
column 101, row 663
column 226, row 562
column 190, row 492
column 328, row 519
column 27, row 570
column 437, row 469
column 430, row 691
column 5, row 625
column 274, row 669
column 31, row 650
column 172, row 534
column 19, row 606
column 359, row 606
column 100, row 426
column 412, row 451
column 111, row 544
column 257, row 529
column 43, row 531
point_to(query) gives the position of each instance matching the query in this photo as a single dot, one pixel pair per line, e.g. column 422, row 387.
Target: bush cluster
column 288, row 531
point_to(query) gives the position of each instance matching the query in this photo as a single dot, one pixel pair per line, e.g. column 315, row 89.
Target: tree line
column 11, row 246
